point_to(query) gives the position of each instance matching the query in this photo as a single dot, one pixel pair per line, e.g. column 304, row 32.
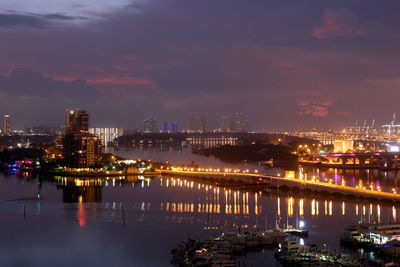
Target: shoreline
column 90, row 174
column 344, row 166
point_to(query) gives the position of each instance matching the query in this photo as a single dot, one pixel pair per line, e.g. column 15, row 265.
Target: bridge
column 288, row 181
column 383, row 160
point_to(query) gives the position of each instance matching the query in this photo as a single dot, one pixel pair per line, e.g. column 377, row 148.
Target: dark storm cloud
column 33, row 20
column 12, row 20
column 167, row 59
column 25, row 82
column 59, row 17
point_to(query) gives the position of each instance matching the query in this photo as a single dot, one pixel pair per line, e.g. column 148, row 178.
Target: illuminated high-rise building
column 343, row 146
column 6, row 124
column 76, row 121
column 107, row 135
column 80, row 149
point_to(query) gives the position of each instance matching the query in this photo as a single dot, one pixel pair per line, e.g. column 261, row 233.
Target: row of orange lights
column 210, row 170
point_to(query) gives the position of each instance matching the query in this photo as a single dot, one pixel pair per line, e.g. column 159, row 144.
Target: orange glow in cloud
column 314, row 108
column 122, row 81
column 334, row 25
column 141, row 81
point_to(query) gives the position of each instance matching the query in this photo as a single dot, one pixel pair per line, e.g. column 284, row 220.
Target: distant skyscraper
column 6, row 124
column 77, row 121
column 170, row 127
column 224, row 124
column 203, row 124
column 240, row 122
column 191, row 127
column 150, row 126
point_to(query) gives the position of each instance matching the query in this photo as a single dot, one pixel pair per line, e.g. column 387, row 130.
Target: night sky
column 285, row 64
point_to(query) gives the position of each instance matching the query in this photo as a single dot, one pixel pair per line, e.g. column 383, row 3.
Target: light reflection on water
column 172, row 207
column 373, row 179
column 369, row 178
column 165, row 198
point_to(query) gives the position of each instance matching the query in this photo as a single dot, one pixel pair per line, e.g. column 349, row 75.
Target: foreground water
column 136, row 222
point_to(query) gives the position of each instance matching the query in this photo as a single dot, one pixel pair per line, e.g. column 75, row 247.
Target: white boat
column 293, row 246
column 233, row 238
column 290, row 245
column 277, row 233
column 383, row 229
column 296, row 231
column 376, row 234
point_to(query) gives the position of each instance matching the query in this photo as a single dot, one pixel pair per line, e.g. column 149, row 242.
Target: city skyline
column 286, row 65
column 199, row 133
column 237, row 122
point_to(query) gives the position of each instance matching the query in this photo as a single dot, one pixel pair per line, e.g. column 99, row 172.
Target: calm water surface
column 137, row 221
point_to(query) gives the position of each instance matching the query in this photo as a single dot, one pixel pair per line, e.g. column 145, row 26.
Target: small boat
column 270, row 237
column 233, row 238
column 296, row 231
column 290, row 246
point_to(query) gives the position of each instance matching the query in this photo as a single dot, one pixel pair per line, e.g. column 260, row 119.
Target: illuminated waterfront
column 199, row 133
column 162, row 211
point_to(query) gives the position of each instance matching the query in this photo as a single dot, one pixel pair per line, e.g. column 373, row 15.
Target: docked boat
column 382, row 229
column 296, row 231
column 293, row 254
column 269, row 238
column 351, row 236
column 248, row 240
column 293, row 246
column 370, row 234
